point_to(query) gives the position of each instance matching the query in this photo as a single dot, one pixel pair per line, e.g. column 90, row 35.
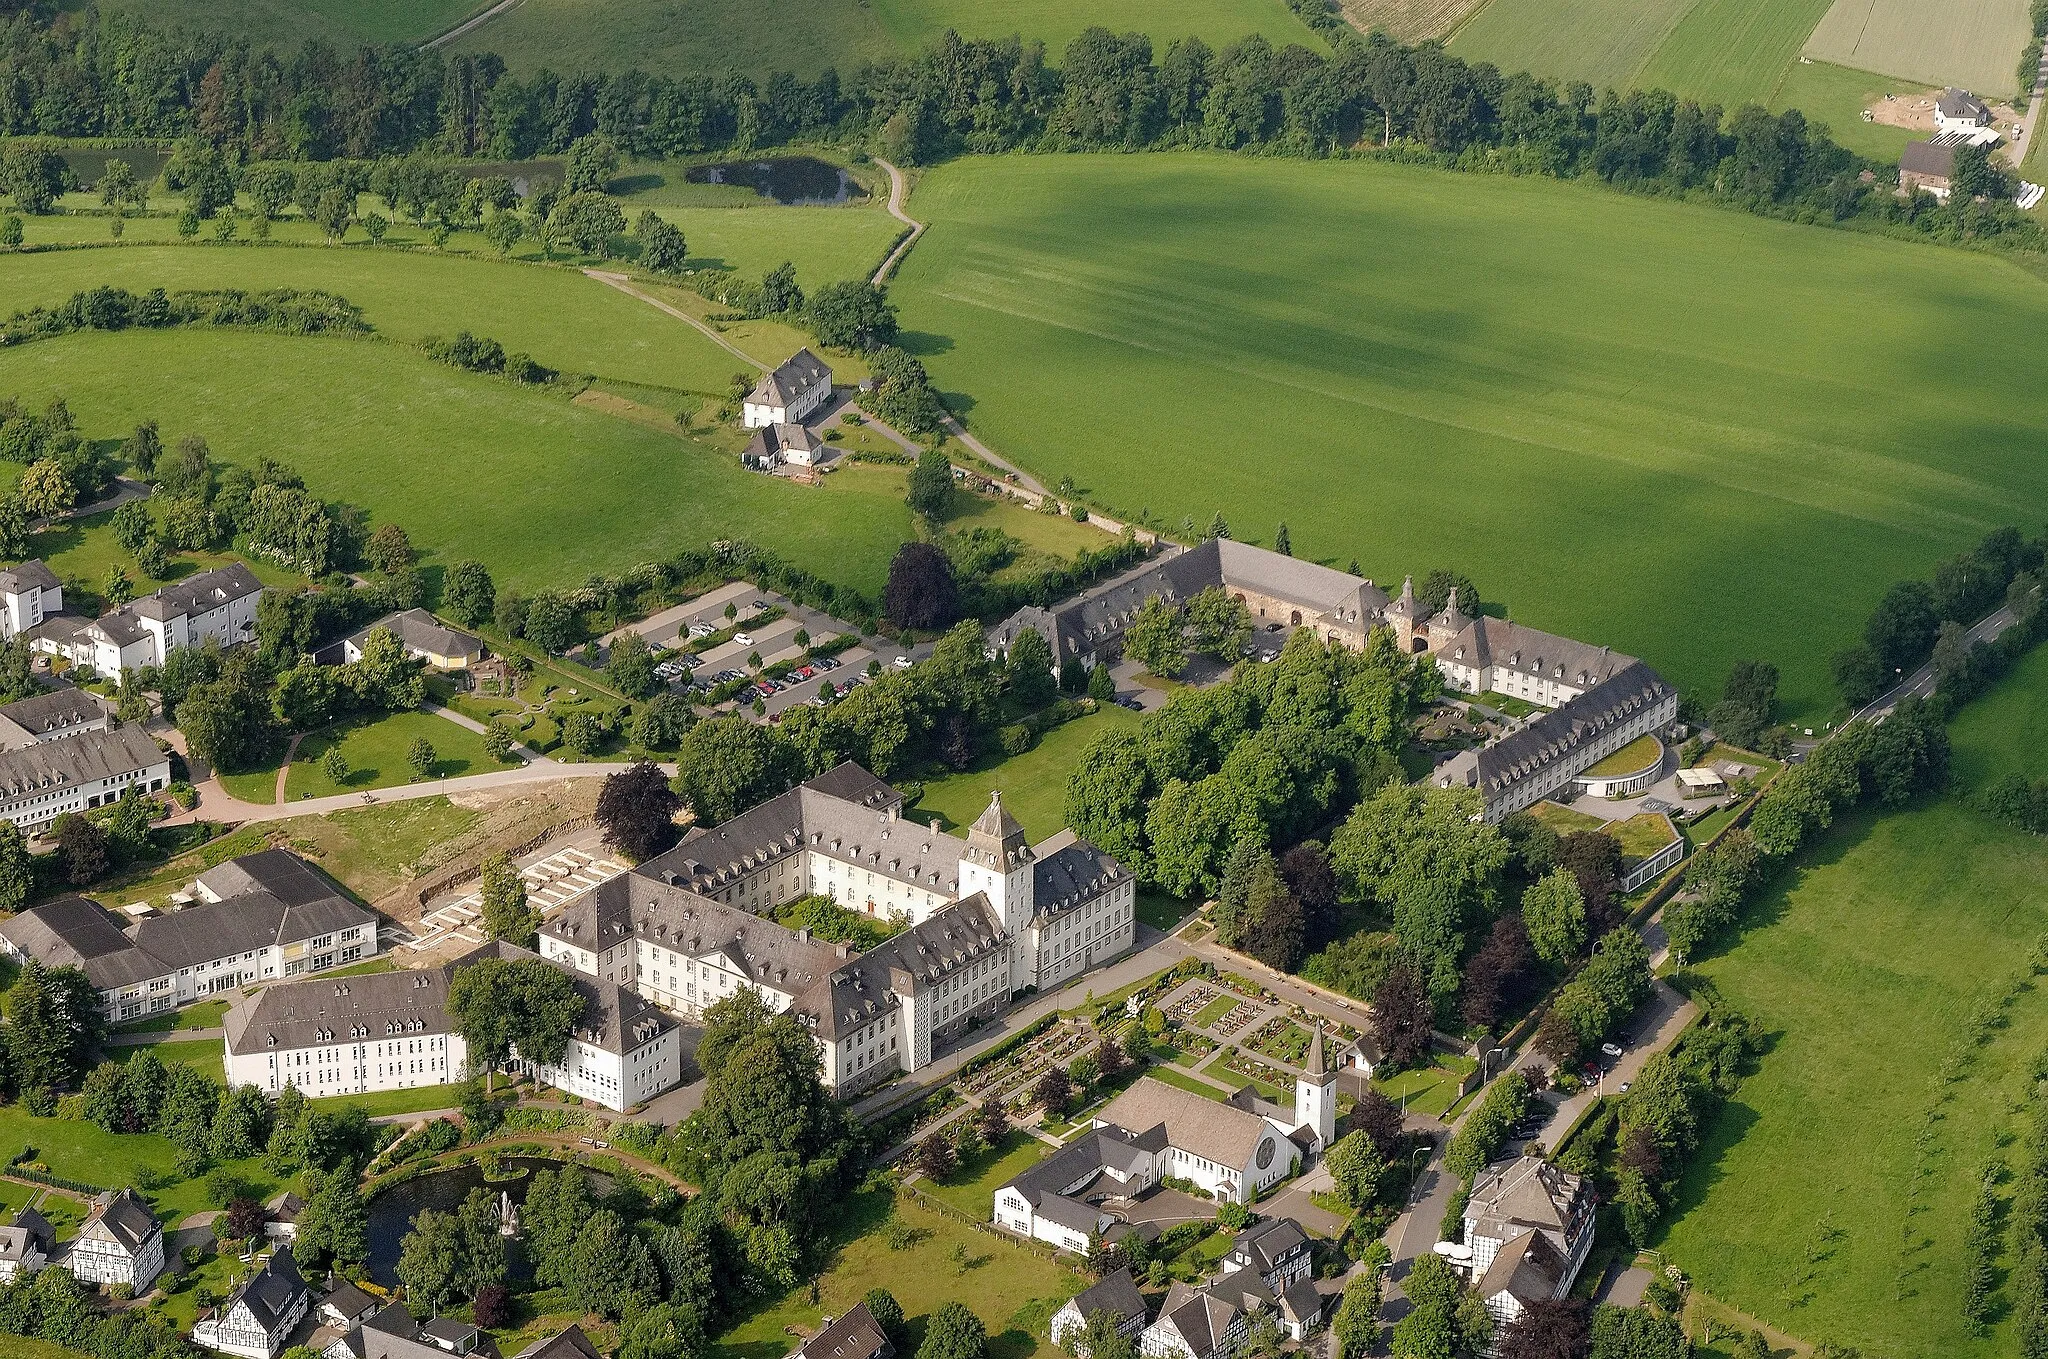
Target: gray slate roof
column 774, row 441
column 853, row 1335
column 52, row 711
column 1070, row 872
column 1557, row 736
column 85, row 758
column 198, row 594
column 614, row 1018
column 569, row 1344
column 270, row 1292
column 1117, row 1295
column 29, row 575
column 863, row 987
column 1482, row 642
column 304, row 1014
column 1925, row 158
column 126, row 1219
column 421, row 631
column 799, row 371
column 1955, row 103
column 279, row 872
column 1216, row 1132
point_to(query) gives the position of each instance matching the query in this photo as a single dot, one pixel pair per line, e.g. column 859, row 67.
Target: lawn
column 950, row 1261
column 1160, row 911
column 825, row 244
column 1837, row 96
column 1833, row 1196
column 380, row 1102
column 549, row 493
column 557, row 315
column 376, row 747
column 1630, row 757
column 1973, row 43
column 1034, row 784
column 1642, row 835
column 1215, row 1010
column 81, row 1151
column 203, row 1055
column 373, row 849
column 1431, row 1090
column 287, row 24
column 1559, row 354
column 204, row 1015
column 1186, row 1082
column 83, row 551
column 971, row 1188
column 1564, row 820
column 1603, row 42
column 670, row 37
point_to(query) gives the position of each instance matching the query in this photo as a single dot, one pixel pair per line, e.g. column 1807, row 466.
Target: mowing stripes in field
column 1732, row 52
column 1973, row 43
column 1686, row 433
column 1603, row 42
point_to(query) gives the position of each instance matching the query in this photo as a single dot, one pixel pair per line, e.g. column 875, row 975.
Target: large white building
column 219, row 605
column 52, row 716
column 1231, row 1151
column 29, row 593
column 259, row 1316
column 263, row 916
column 789, row 395
column 347, row 1035
column 44, row 780
column 988, row 915
column 120, row 1243
column 623, row 1051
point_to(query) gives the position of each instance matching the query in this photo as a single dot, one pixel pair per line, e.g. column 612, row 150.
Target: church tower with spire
column 1315, row 1095
column 999, row 862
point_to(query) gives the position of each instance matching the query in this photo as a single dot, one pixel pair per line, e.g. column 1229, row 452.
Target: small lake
column 792, row 181
column 391, row 1212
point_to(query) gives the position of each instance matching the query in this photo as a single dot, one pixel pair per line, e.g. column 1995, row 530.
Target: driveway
column 1656, row 1026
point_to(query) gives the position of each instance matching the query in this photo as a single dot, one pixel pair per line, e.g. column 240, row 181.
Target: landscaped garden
column 972, row 1186
column 377, row 750
column 1033, row 785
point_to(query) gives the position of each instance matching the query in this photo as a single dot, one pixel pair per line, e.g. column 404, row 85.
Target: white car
column 902, row 662
column 743, row 639
column 1610, row 1050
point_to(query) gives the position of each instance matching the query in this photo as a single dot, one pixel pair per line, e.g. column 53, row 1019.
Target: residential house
column 1961, row 111
column 29, row 593
column 1116, row 1297
column 623, row 1051
column 261, row 916
column 1265, row 1279
column 774, row 445
column 281, row 1213
column 424, row 637
column 345, row 1305
column 569, row 1344
column 1528, row 1230
column 346, row 1036
column 394, row 1333
column 52, row 716
column 989, row 916
column 790, row 394
column 1195, row 1324
column 1923, row 165
column 120, row 1243
column 25, row 1244
column 217, row 605
column 260, row 1315
column 43, row 780
column 854, row 1334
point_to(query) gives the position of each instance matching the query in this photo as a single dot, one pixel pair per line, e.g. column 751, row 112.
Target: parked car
column 1610, row 1050
column 902, row 662
column 700, row 628
column 742, row 639
column 1132, row 704
column 828, row 663
column 804, row 672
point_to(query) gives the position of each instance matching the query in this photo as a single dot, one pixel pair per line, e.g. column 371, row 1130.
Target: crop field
column 1611, row 412
column 563, row 319
column 1409, row 20
column 1834, row 1193
column 288, row 23
column 1974, row 43
column 1732, row 52
column 542, row 491
column 676, row 36
column 1603, row 42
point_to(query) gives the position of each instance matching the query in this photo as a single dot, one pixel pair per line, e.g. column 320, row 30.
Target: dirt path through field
column 899, row 189
column 470, row 24
column 625, row 285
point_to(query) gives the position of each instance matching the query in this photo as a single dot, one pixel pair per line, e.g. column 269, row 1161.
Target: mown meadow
column 1691, row 435
column 1833, row 1195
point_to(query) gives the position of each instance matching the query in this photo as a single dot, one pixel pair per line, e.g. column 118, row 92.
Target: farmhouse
column 623, row 1051
column 120, row 1243
column 1273, row 587
column 394, row 1333
column 569, row 1344
column 25, row 1244
column 1529, row 764
column 988, row 916
column 1155, row 1130
column 348, row 1036
column 1116, row 1296
column 219, row 605
column 1960, row 110
column 259, row 1316
column 264, row 915
column 1923, row 165
column 424, row 637
column 1528, row 1230
column 774, row 445
column 29, row 593
column 51, row 716
column 42, row 780
column 790, row 394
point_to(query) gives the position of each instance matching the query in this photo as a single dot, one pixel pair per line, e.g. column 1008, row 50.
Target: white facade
column 128, row 1250
column 260, row 1316
column 353, row 1062
column 790, row 394
column 28, row 594
column 617, row 1080
column 218, row 605
column 40, row 783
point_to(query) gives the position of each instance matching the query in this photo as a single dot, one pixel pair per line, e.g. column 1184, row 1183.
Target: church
column 985, row 917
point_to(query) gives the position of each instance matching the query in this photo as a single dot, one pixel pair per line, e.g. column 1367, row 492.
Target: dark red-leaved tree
column 921, row 593
column 1547, row 1329
column 1402, row 1017
column 637, row 810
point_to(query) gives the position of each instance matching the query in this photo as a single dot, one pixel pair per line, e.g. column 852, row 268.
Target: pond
column 391, row 1212
column 792, row 181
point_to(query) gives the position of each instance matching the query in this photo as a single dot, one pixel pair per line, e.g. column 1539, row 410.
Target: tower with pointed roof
column 1445, row 627
column 1401, row 615
column 999, row 862
column 1315, row 1095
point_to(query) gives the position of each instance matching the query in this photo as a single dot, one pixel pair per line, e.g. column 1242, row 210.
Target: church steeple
column 1315, row 1095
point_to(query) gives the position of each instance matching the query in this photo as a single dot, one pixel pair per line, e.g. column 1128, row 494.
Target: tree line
column 112, row 76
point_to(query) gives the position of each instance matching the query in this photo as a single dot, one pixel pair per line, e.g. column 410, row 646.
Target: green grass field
column 563, row 319
column 1603, row 42
column 675, row 36
column 825, row 244
column 1973, row 43
column 1419, row 369
column 1034, row 784
column 286, row 24
column 971, row 1188
column 1836, row 96
column 1732, row 52
column 375, row 748
column 543, row 492
column 1815, row 1205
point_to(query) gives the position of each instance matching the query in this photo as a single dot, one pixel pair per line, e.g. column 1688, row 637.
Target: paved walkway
column 2016, row 150
column 467, row 25
column 143, row 1040
column 899, row 189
